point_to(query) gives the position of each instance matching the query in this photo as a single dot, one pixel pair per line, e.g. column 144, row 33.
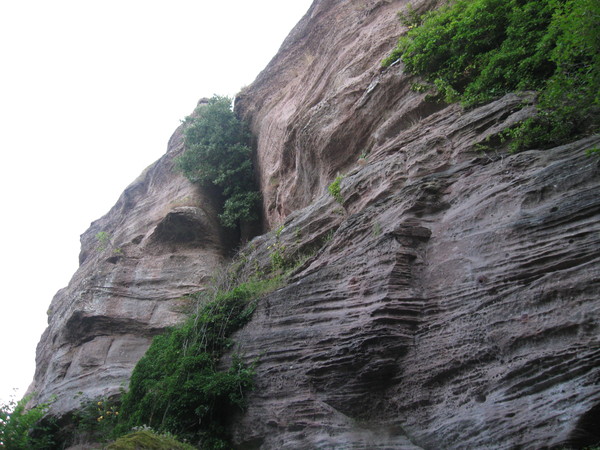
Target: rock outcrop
column 450, row 300
column 323, row 100
column 160, row 242
column 457, row 304
column 454, row 308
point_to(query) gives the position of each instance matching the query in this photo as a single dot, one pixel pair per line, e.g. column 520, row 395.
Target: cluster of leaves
column 476, row 50
column 24, row 429
column 410, row 17
column 103, row 238
column 104, row 241
column 177, row 386
column 217, row 153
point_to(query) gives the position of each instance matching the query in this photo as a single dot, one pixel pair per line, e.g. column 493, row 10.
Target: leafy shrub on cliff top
column 477, row 50
column 217, row 153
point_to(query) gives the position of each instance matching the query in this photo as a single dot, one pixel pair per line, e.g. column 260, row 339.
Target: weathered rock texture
column 450, row 301
column 457, row 308
column 161, row 241
column 323, row 99
column 457, row 304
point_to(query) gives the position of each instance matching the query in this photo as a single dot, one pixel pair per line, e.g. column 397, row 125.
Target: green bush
column 177, row 386
column 478, row 50
column 594, row 151
column 217, row 153
column 240, row 207
column 148, row 439
column 103, row 238
column 23, row 429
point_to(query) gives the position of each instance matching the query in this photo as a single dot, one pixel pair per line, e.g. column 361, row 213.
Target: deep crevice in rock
column 587, row 430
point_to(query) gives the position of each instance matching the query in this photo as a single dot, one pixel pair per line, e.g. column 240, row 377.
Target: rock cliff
column 160, row 242
column 450, row 300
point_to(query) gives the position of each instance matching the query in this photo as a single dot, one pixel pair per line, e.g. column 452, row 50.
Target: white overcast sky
column 90, row 92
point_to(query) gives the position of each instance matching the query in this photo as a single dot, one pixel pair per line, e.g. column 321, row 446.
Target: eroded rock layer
column 457, row 310
column 450, row 300
column 160, row 242
column 456, row 305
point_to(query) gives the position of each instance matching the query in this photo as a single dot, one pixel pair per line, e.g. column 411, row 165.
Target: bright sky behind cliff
column 90, row 93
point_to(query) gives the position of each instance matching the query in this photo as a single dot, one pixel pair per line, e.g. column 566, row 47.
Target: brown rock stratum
column 450, row 301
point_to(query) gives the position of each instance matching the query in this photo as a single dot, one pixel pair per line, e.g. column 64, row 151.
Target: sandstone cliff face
column 323, row 99
column 450, row 301
column 457, row 308
column 456, row 305
column 161, row 241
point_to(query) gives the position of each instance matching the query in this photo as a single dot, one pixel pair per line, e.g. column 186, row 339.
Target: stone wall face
column 457, row 308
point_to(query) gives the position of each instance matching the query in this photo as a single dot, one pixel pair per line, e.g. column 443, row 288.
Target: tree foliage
column 217, row 153
column 23, row 429
column 476, row 50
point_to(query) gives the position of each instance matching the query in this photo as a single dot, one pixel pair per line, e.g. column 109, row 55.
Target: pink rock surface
column 457, row 304
column 459, row 310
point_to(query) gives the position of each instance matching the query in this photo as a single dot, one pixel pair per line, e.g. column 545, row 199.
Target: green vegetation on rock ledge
column 474, row 51
column 148, row 439
column 335, row 190
column 179, row 387
column 217, row 153
column 182, row 389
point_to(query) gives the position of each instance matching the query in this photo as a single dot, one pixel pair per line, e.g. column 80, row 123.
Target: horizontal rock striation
column 456, row 304
column 458, row 309
column 448, row 300
column 160, row 242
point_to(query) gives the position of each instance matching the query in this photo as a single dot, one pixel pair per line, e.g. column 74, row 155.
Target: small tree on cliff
column 217, row 153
